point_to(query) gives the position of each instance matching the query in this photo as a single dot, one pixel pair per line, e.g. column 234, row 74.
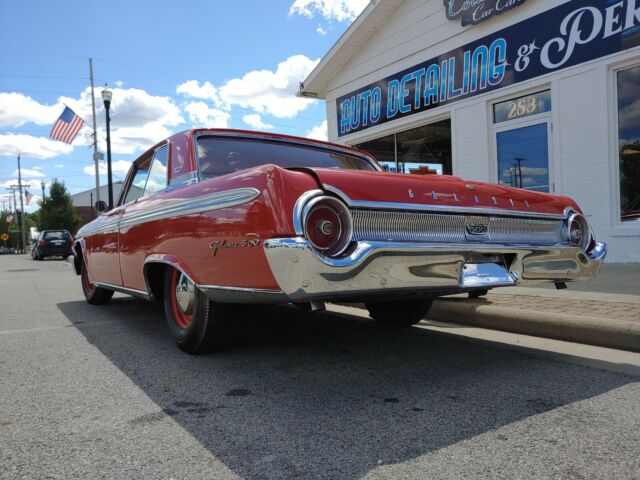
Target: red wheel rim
column 183, row 320
column 88, row 286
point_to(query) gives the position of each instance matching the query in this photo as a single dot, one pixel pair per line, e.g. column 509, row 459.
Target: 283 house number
column 522, row 107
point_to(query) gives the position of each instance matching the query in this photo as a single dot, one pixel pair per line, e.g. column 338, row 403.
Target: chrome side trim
column 169, row 209
column 437, row 208
column 214, row 201
column 121, row 289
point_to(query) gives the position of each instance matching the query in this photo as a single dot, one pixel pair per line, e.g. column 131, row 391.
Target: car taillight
column 71, row 242
column 41, row 243
column 327, row 225
column 578, row 232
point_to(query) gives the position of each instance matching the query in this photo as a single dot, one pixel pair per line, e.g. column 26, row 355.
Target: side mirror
column 101, row 206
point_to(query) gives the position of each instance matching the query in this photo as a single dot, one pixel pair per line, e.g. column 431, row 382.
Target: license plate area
column 485, row 275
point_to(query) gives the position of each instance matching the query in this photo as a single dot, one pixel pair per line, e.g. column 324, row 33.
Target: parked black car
column 52, row 243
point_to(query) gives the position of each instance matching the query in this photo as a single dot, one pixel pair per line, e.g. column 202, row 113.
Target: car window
column 220, row 156
column 157, row 179
column 56, row 235
column 136, row 188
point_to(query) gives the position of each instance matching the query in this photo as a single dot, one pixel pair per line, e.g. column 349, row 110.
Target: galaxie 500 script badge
column 471, row 12
column 217, row 244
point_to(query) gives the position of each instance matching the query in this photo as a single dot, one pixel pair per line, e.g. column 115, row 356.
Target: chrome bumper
column 376, row 268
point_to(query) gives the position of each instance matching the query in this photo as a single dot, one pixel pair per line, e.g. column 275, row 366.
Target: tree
column 56, row 210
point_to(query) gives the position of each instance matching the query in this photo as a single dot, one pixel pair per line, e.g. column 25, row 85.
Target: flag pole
column 23, row 231
column 96, row 158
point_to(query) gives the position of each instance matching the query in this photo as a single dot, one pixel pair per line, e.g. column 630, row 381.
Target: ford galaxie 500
column 211, row 218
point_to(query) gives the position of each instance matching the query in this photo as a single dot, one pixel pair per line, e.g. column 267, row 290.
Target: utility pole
column 519, row 160
column 23, row 228
column 96, row 155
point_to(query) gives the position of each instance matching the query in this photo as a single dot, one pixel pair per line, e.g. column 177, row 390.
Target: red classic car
column 211, row 218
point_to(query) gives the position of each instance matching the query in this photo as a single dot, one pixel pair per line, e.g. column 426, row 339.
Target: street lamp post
column 42, row 184
column 106, row 98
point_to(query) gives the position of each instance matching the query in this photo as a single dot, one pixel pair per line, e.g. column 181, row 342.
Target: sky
column 171, row 65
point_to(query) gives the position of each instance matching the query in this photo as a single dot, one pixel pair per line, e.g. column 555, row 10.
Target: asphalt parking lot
column 102, row 392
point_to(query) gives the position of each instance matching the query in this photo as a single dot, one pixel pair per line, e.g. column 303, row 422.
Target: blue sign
column 573, row 33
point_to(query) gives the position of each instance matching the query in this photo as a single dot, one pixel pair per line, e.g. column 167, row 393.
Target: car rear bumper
column 55, row 251
column 377, row 268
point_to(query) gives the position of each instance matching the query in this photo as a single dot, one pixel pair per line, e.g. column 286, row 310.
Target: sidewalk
column 583, row 313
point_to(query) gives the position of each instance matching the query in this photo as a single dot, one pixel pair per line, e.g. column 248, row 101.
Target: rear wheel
column 399, row 313
column 94, row 295
column 196, row 323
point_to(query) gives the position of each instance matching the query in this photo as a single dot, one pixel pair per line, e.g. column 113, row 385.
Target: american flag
column 27, row 195
column 67, row 126
column 9, row 218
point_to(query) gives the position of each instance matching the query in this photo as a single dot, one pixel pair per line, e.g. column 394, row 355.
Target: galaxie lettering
column 216, row 244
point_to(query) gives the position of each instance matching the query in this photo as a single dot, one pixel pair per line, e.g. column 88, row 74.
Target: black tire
column 204, row 329
column 399, row 313
column 92, row 294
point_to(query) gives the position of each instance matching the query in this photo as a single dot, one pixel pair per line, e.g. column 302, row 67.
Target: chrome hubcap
column 185, row 294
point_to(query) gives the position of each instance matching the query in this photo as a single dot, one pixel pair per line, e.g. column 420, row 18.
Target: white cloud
column 319, row 132
column 531, row 171
column 138, row 120
column 254, row 120
column 271, row 92
column 202, row 115
column 28, row 172
column 119, row 83
column 339, row 10
column 17, row 109
column 321, row 30
column 119, row 168
column 39, row 147
column 193, row 89
column 59, row 165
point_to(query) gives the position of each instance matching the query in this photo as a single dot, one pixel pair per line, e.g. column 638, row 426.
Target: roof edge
column 314, row 86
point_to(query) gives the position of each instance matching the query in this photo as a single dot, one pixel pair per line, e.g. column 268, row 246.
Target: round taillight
column 578, row 232
column 327, row 225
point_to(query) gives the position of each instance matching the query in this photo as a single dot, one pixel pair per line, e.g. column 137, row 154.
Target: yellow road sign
column 4, row 237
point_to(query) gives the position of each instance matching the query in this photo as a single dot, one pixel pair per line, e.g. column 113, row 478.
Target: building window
column 629, row 143
column 523, row 157
column 423, row 150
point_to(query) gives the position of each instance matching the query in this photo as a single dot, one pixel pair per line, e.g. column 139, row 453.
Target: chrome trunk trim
column 438, row 208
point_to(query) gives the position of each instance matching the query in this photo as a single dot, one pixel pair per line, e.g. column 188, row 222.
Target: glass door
column 523, row 157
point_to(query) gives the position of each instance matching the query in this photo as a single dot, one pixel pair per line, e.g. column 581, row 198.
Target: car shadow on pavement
column 309, row 395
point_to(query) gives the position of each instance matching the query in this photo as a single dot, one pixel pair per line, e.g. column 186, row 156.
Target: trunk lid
column 439, row 190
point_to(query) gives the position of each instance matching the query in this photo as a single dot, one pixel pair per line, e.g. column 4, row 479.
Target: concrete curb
column 612, row 333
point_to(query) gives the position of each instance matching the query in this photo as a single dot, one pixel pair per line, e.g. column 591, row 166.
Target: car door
column 101, row 249
column 137, row 235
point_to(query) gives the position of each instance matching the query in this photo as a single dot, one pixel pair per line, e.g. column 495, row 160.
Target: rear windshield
column 57, row 235
column 219, row 156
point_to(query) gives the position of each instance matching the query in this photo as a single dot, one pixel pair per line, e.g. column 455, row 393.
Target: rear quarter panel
column 189, row 238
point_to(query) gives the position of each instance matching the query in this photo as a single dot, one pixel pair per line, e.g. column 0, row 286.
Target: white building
column 87, row 198
column 540, row 94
